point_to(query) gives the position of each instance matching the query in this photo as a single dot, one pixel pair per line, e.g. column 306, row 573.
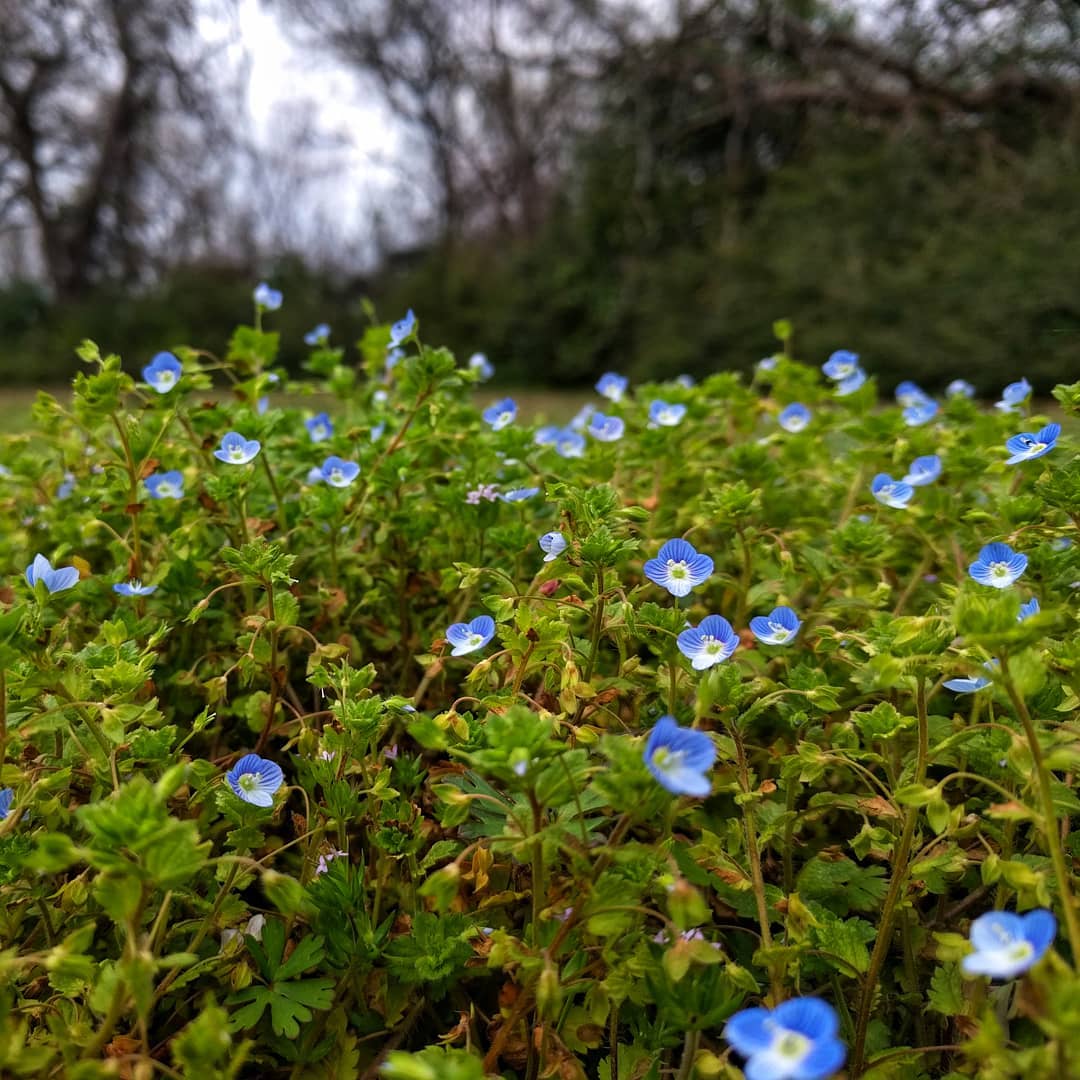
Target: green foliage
column 469, row 858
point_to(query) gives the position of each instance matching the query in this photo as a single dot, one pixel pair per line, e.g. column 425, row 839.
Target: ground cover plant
column 724, row 729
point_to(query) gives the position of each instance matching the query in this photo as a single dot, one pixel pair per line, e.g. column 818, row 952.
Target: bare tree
column 111, row 136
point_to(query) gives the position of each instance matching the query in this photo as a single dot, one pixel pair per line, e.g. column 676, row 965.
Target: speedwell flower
column 547, row 435
column 1026, row 446
column 318, row 336
column 851, row 383
column 1013, row 396
column 339, row 473
column 519, row 494
column 5, row 802
column 909, row 393
column 236, row 450
column 795, row 1041
column 582, row 416
column 685, row 381
column 606, row 428
column 998, row 566
column 165, row 485
column 553, row 544
column 679, row 757
column 894, row 493
column 500, row 414
column 479, row 363
column 960, row 388
column 64, row 489
column 254, row 779
column 841, row 365
column 1028, row 609
column 971, row 684
column 570, row 443
column 920, row 413
column 1007, row 944
column 678, row 567
column 470, row 636
column 266, row 298
column 319, row 427
column 163, row 372
column 779, row 627
column 663, row 414
column 134, row 588
column 612, row 386
column 63, row 577
column 767, row 364
column 402, row 329
column 923, row 470
column 709, row 643
column 794, row 418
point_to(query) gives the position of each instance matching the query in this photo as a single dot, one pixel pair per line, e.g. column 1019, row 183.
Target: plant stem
column 690, row 1048
column 753, row 856
column 1049, row 814
column 892, row 897
column 598, row 624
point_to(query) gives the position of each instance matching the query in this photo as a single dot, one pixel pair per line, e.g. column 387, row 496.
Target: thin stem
column 279, row 505
column 1049, row 814
column 896, row 886
column 690, row 1048
column 598, row 624
column 753, row 856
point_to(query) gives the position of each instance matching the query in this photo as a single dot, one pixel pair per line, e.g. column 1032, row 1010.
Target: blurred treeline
column 604, row 185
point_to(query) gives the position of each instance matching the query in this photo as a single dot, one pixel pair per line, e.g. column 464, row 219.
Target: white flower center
column 337, row 475
column 667, row 760
column 779, row 633
column 249, row 782
column 999, row 570
column 236, row 453
column 790, row 1045
column 167, row 489
column 677, row 570
column 166, row 378
column 475, row 640
column 711, row 645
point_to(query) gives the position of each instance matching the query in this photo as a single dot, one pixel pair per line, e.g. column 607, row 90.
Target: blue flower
column 923, row 470
column 685, row 381
column 402, row 330
column 894, row 493
column 553, row 544
column 339, row 473
column 570, row 444
column 678, row 567
column 5, row 802
column 794, row 418
column 255, row 779
column 920, row 412
column 960, row 388
column 612, row 386
column 1013, row 396
column 64, row 489
column 500, row 414
column 767, row 363
column 1028, row 609
column 393, row 358
column 163, row 372
column 795, row 1041
column 236, row 450
column 262, row 405
column 998, row 566
column 711, row 642
column 54, row 580
column 606, row 428
column 266, row 298
column 479, row 363
column 851, row 383
column 679, row 757
column 581, row 417
column 548, row 435
column 1006, row 944
column 1026, row 446
column 165, row 485
column 318, row 336
column 973, row 683
column 134, row 588
column 319, row 427
column 663, row 414
column 841, row 365
column 909, row 393
column 519, row 494
column 470, row 636
column 777, row 628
